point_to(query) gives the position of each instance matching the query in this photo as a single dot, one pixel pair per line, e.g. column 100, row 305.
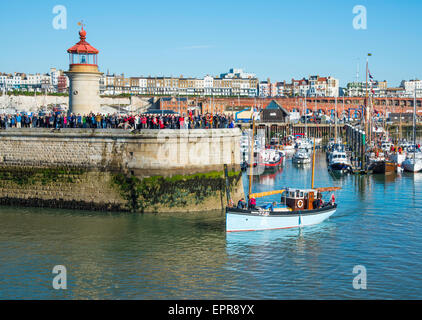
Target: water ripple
column 189, row 256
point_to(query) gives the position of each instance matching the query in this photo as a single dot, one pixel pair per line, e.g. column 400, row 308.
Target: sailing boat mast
column 251, row 156
column 414, row 126
column 306, row 119
column 400, row 128
column 335, row 120
column 366, row 101
column 313, row 166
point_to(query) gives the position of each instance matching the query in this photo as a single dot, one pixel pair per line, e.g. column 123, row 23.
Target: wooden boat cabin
column 300, row 199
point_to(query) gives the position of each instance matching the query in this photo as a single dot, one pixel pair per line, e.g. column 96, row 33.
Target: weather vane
column 81, row 23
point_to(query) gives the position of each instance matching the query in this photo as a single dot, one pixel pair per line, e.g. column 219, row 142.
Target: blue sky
column 274, row 38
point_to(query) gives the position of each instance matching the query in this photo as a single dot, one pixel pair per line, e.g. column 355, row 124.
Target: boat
column 378, row 164
column 299, row 211
column 413, row 163
column 382, row 167
column 398, row 157
column 301, row 156
column 339, row 162
column 244, row 150
column 334, row 146
column 386, row 146
column 304, row 143
column 297, row 208
column 270, row 159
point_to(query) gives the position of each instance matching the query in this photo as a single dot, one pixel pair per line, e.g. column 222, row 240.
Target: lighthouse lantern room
column 83, row 52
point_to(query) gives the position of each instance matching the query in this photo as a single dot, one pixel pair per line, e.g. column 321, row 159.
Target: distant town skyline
column 277, row 40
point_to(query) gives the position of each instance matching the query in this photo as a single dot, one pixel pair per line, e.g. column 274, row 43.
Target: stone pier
column 148, row 171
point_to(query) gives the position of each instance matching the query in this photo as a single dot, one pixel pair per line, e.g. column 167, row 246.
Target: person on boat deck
column 318, row 203
column 270, row 206
column 333, row 199
column 252, row 203
column 241, row 204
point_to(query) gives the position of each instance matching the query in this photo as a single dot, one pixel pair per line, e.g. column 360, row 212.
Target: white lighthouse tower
column 84, row 89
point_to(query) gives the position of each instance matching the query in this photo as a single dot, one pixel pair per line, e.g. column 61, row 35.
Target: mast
column 414, row 126
column 313, row 167
column 335, row 120
column 366, row 120
column 306, row 119
column 252, row 152
column 385, row 120
column 400, row 128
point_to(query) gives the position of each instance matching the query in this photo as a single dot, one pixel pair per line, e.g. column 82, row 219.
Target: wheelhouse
column 299, row 199
column 338, row 156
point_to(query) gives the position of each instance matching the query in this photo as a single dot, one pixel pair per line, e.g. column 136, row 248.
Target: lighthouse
column 84, row 77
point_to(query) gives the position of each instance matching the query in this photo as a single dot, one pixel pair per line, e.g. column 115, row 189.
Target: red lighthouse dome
column 83, row 52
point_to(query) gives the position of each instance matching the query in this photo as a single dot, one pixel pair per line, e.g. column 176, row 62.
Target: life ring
column 300, row 204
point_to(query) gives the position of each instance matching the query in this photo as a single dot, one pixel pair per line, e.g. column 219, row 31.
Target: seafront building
column 54, row 81
column 410, row 86
column 314, row 86
column 235, row 83
column 359, row 89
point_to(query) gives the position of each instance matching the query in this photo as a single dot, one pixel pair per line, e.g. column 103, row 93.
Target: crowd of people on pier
column 116, row 121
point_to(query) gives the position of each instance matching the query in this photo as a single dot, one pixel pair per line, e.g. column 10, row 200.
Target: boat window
column 301, row 194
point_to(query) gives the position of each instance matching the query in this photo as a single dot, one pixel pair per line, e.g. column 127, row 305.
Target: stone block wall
column 117, row 170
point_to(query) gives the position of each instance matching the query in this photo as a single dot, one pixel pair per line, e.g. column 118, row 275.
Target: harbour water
column 189, row 256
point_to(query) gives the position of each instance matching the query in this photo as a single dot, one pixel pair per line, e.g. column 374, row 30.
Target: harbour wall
column 148, row 171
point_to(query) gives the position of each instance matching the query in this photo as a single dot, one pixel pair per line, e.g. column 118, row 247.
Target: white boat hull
column 254, row 221
column 412, row 166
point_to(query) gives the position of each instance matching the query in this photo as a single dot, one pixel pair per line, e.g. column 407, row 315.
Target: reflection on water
column 190, row 256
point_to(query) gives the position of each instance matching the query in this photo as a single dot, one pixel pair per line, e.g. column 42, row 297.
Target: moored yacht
column 301, row 156
column 270, row 159
column 413, row 163
column 378, row 164
column 339, row 162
